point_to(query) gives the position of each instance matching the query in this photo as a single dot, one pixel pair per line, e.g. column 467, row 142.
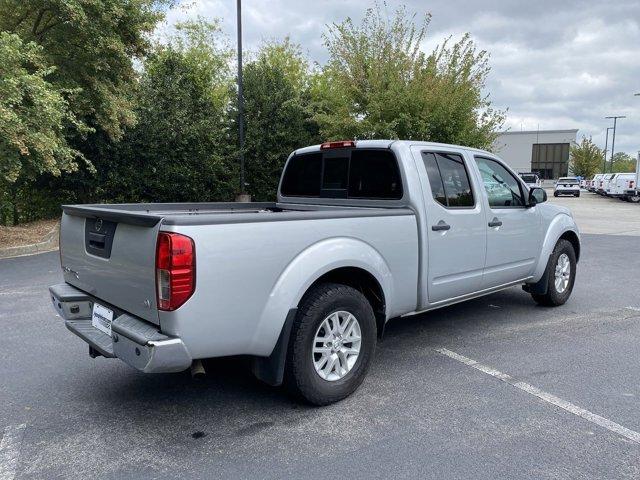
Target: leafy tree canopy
column 378, row 83
column 34, row 114
column 623, row 163
column 91, row 43
column 586, row 158
column 277, row 114
column 179, row 149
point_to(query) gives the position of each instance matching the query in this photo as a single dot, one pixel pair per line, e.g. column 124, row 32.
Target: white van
column 593, row 186
column 604, row 183
column 620, row 184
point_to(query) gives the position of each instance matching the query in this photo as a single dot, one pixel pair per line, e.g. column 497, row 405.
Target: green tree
column 178, row 150
column 585, row 158
column 92, row 44
column 378, row 83
column 277, row 114
column 623, row 163
column 34, row 116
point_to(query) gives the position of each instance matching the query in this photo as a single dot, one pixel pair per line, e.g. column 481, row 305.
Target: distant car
column 531, row 179
column 567, row 186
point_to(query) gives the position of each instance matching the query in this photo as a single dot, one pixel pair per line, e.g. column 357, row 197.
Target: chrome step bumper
column 134, row 341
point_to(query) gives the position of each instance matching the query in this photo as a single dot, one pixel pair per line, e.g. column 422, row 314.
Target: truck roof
column 387, row 144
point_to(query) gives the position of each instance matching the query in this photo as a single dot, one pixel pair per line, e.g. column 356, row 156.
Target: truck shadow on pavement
column 230, row 400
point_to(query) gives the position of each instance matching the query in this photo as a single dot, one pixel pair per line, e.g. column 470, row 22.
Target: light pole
column 606, row 147
column 613, row 141
column 243, row 197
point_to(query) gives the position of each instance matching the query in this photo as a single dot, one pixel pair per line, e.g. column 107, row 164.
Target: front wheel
column 332, row 344
column 561, row 275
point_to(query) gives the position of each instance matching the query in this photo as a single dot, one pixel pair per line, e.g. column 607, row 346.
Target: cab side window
column 448, row 178
column 503, row 189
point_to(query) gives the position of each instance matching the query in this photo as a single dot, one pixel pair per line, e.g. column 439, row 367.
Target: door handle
column 441, row 226
column 495, row 222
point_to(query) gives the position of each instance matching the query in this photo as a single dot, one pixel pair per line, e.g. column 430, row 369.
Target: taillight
column 631, row 182
column 340, row 144
column 175, row 270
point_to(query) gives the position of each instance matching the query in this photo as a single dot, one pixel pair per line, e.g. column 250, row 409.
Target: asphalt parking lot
column 426, row 409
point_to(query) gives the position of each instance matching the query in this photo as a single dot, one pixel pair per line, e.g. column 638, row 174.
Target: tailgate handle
column 96, row 240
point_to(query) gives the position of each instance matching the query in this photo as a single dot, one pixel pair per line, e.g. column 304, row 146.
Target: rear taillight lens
column 175, row 270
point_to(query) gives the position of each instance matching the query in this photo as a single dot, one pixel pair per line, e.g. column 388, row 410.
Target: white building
column 545, row 152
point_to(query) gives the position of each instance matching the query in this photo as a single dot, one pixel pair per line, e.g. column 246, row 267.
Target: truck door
column 514, row 233
column 455, row 224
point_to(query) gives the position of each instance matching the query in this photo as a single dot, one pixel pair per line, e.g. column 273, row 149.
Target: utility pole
column 242, row 197
column 613, row 141
column 606, row 149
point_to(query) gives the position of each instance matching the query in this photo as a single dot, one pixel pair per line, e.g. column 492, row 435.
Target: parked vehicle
column 361, row 232
column 595, row 181
column 620, row 184
column 604, row 183
column 632, row 194
column 567, row 186
column 531, row 179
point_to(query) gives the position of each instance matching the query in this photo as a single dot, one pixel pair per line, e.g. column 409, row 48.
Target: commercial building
column 545, row 152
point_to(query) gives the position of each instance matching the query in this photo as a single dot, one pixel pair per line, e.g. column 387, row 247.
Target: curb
column 49, row 244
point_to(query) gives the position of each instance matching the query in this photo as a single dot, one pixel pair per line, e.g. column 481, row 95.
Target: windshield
column 568, row 180
column 529, row 178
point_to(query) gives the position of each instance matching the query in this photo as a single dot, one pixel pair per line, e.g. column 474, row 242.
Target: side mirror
column 537, row 195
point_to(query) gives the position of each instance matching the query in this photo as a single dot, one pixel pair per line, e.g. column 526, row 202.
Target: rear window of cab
column 361, row 173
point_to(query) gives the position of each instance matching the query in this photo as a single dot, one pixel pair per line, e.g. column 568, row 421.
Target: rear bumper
column 134, row 341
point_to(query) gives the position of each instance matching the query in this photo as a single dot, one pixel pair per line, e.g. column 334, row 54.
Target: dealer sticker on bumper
column 101, row 318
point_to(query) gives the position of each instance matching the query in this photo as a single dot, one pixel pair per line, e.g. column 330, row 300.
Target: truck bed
column 150, row 214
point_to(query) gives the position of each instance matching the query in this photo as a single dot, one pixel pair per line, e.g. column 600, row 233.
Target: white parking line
column 10, row 450
column 547, row 397
column 635, row 309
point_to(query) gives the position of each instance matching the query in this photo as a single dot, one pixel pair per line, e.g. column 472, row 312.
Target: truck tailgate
column 112, row 259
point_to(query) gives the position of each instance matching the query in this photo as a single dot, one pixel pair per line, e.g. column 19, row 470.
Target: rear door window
column 448, row 178
column 374, row 174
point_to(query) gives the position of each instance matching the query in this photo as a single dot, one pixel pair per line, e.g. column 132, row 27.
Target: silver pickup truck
column 362, row 232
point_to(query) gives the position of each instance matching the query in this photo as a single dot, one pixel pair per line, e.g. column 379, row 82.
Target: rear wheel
column 561, row 275
column 332, row 344
column 634, row 198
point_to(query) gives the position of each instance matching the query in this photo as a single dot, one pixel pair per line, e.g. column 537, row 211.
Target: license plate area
column 101, row 318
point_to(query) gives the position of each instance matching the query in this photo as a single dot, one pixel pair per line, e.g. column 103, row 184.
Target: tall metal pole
column 613, row 141
column 606, row 149
column 240, row 100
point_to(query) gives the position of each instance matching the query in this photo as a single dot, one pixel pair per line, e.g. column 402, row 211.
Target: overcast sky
column 555, row 64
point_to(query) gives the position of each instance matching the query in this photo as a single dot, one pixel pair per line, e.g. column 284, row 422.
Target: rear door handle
column 495, row 222
column 441, row 226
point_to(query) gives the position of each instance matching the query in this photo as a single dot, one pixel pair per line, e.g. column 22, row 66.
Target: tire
column 321, row 304
column 555, row 194
column 558, row 296
column 577, row 195
column 635, row 199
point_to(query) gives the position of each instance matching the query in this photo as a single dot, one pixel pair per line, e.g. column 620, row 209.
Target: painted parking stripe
column 547, row 397
column 10, row 450
column 635, row 309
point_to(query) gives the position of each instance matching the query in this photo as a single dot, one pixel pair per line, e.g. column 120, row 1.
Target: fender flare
column 560, row 224
column 274, row 325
